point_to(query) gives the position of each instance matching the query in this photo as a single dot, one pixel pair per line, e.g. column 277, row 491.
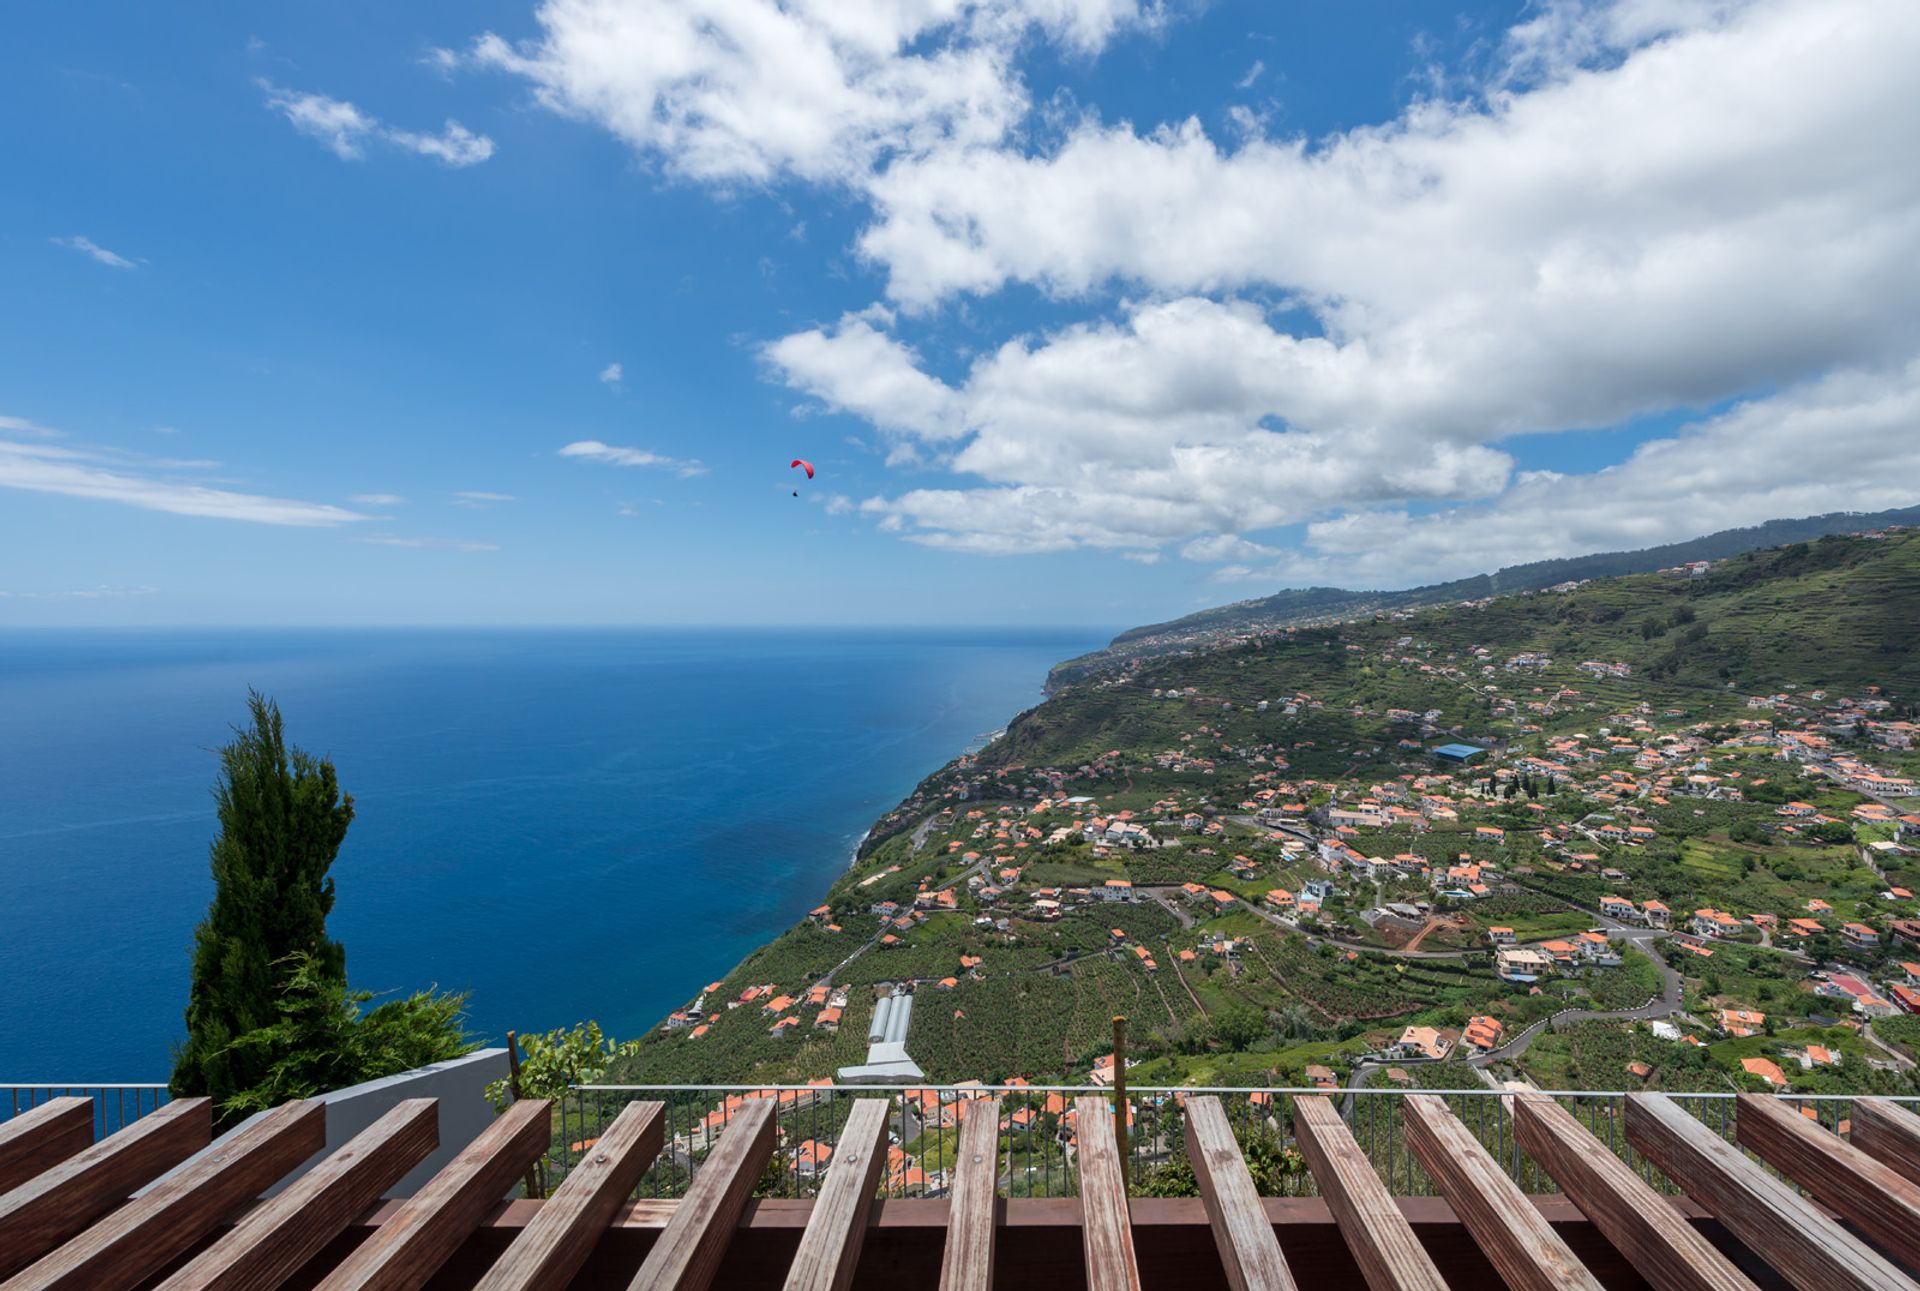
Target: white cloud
column 1226, row 546
column 1658, row 208
column 346, row 130
column 1156, row 429
column 1845, row 442
column 455, row 144
column 1142, row 557
column 610, row 374
column 854, row 367
column 41, row 468
column 480, row 498
column 21, row 426
column 732, row 90
column 592, row 450
column 88, row 247
column 1253, row 74
column 425, row 544
column 377, row 499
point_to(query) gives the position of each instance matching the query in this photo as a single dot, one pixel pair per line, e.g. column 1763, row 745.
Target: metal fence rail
column 1037, row 1133
column 114, row 1106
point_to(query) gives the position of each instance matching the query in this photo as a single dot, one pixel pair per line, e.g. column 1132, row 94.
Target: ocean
column 568, row 824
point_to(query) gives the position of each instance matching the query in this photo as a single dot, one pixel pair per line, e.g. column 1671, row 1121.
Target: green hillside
column 1303, row 606
column 1642, row 739
column 1836, row 613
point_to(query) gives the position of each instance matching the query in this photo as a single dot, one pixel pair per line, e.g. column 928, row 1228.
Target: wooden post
column 534, row 1190
column 1120, row 1093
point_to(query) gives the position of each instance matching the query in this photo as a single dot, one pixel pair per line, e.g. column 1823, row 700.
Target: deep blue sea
column 568, row 824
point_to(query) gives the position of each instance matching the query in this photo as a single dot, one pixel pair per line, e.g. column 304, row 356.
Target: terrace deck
column 77, row 1214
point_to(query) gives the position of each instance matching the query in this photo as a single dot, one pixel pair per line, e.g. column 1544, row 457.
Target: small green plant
column 553, row 1062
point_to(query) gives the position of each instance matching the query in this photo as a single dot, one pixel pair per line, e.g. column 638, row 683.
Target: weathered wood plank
column 551, row 1249
column 1785, row 1229
column 1248, row 1250
column 688, row 1253
column 279, row 1235
column 54, row 1205
column 1106, row 1231
column 1888, row 1133
column 966, row 1263
column 1383, row 1245
column 1880, row 1202
column 830, row 1248
column 43, row 1137
column 1519, row 1243
column 1666, row 1250
column 151, row 1231
column 432, row 1223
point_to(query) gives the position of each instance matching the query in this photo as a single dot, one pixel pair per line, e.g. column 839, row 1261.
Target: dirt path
column 1432, row 925
column 1174, row 959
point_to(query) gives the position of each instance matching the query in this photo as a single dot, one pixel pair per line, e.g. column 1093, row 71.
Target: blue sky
column 1086, row 310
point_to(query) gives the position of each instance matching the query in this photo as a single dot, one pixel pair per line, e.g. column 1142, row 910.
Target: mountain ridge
column 1310, row 605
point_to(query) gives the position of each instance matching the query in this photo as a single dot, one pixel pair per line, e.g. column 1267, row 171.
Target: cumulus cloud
column 1648, row 206
column 592, row 450
column 100, row 255
column 345, row 130
column 610, row 374
column 1157, row 428
column 71, row 472
column 752, row 90
column 1845, row 442
column 1560, row 252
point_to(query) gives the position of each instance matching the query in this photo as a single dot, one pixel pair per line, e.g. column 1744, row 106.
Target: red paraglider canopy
column 801, row 461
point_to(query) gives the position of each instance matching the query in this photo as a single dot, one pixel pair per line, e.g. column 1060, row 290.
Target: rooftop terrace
column 1023, row 1186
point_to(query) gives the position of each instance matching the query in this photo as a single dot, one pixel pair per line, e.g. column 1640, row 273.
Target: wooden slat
column 1666, row 1250
column 551, row 1249
column 276, row 1237
column 1889, row 1133
column 160, row 1225
column 430, row 1226
column 1248, row 1250
column 1880, row 1202
column 1805, row 1247
column 48, row 1209
column 837, row 1228
column 1390, row 1257
column 688, row 1253
column 1517, row 1241
column 967, row 1262
column 1106, row 1231
column 43, row 1137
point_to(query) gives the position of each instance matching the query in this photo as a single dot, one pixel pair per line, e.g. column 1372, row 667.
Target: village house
column 1422, row 1042
column 1708, row 922
column 1483, row 1034
column 1859, row 937
column 1522, row 964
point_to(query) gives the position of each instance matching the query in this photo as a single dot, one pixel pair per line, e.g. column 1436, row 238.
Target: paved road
column 1906, row 1063
column 1666, row 1006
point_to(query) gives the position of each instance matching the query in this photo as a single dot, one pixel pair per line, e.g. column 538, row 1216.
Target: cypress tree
column 282, row 820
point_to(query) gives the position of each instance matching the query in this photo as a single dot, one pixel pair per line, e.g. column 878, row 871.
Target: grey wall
column 459, row 1084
